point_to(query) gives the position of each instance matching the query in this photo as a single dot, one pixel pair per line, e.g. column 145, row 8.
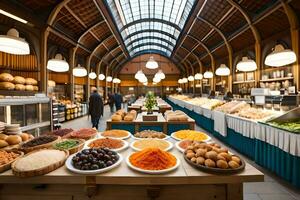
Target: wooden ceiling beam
column 75, row 16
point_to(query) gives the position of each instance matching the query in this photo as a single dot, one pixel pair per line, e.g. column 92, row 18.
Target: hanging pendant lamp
column 198, row 76
column 208, row 74
column 223, row 70
column 151, row 64
column 79, row 71
column 92, row 75
column 58, row 64
column 246, row 65
column 184, row 80
column 280, row 57
column 191, row 78
column 101, row 77
column 13, row 44
column 109, row 79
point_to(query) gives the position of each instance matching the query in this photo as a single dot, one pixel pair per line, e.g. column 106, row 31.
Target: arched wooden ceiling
column 213, row 30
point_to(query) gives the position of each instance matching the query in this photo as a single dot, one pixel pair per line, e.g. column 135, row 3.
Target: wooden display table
column 161, row 124
column 185, row 182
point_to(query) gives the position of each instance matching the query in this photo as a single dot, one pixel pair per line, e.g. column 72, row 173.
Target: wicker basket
column 7, row 166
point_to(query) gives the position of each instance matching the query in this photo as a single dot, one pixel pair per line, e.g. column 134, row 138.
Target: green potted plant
column 150, row 102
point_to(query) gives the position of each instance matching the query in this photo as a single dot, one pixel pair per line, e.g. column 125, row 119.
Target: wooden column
column 87, row 80
column 98, row 71
column 230, row 63
column 258, row 62
column 72, row 64
column 44, row 60
column 213, row 80
column 294, row 28
column 106, row 74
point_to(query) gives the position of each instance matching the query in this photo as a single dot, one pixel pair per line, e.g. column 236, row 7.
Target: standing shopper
column 95, row 108
column 118, row 101
column 111, row 101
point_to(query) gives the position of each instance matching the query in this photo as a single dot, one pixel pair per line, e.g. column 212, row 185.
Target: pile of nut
column 212, row 155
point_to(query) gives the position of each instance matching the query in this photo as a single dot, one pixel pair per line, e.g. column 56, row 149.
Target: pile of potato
column 121, row 115
column 212, row 155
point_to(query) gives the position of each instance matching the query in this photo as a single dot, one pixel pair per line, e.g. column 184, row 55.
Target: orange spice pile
column 106, row 142
column 152, row 159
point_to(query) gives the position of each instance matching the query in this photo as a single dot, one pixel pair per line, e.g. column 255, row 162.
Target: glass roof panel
column 147, row 25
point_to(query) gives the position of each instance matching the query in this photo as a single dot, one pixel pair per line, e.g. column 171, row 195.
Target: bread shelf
column 277, row 79
column 240, row 82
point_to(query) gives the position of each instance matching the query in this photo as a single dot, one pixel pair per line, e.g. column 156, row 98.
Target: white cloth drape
column 220, row 124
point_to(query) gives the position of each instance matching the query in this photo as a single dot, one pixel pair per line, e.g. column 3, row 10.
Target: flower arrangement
column 150, row 102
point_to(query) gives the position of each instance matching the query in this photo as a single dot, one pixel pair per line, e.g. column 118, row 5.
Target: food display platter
column 138, row 149
column 7, row 166
column 216, row 170
column 178, row 139
column 74, row 149
column 152, row 171
column 138, row 138
column 178, row 147
column 70, row 167
column 121, row 138
column 125, row 146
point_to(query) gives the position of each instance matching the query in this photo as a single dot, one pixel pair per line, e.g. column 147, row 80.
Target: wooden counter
column 124, row 183
column 161, row 124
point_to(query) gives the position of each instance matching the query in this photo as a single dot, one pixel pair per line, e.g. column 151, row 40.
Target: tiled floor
column 273, row 188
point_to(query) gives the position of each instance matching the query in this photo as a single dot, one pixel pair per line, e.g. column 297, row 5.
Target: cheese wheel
column 20, row 87
column 7, row 86
column 19, row 80
column 6, row 77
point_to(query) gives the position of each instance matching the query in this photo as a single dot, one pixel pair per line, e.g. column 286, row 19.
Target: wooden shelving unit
column 277, row 79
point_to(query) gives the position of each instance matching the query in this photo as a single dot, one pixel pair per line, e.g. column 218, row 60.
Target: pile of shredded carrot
column 152, row 159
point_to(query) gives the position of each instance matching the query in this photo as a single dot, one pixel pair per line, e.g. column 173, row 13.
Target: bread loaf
column 6, row 77
column 7, row 86
column 30, row 81
column 35, row 88
column 129, row 117
column 29, row 87
column 20, row 87
column 19, row 80
column 116, row 117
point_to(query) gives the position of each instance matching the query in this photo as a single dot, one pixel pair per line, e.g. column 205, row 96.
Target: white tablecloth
column 245, row 127
column 220, row 124
column 207, row 113
column 198, row 109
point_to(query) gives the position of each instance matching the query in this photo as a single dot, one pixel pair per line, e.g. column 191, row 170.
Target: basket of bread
column 176, row 115
column 121, row 115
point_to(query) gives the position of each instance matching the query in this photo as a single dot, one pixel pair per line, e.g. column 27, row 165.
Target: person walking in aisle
column 118, row 101
column 111, row 101
column 95, row 108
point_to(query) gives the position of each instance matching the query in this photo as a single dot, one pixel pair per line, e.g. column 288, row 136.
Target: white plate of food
column 116, row 133
column 193, row 136
column 152, row 171
column 150, row 134
column 71, row 166
column 139, row 145
column 102, row 142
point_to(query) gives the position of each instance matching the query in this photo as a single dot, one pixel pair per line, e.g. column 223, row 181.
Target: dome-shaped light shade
column 13, row 44
column 58, row 64
column 156, row 79
column 179, row 81
column 280, row 57
column 143, row 79
column 115, row 80
column 223, row 70
column 246, row 65
column 184, row 80
column 208, row 74
column 101, row 77
column 109, row 79
column 139, row 74
column 191, row 78
column 145, row 84
column 92, row 75
column 118, row 80
column 151, row 64
column 79, row 71
column 161, row 74
column 198, row 76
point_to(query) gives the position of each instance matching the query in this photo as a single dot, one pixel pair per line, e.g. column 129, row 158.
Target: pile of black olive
column 93, row 159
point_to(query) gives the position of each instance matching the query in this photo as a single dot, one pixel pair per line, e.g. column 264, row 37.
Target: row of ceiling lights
column 279, row 57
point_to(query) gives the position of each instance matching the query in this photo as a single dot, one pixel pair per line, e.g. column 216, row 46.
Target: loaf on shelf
column 20, row 87
column 7, row 86
column 122, row 115
column 19, row 80
column 31, row 81
column 6, row 77
column 29, row 88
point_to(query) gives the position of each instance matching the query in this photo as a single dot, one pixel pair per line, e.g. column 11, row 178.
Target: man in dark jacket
column 111, row 101
column 118, row 101
column 95, row 108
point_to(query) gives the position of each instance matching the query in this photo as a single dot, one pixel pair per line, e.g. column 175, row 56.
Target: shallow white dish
column 137, row 138
column 121, row 138
column 153, row 171
column 178, row 147
column 88, row 172
column 137, row 149
column 178, row 139
column 125, row 146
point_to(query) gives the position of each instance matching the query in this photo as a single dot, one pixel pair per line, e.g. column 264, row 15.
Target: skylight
column 149, row 25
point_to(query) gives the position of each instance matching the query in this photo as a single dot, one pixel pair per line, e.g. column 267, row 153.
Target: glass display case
column 32, row 113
